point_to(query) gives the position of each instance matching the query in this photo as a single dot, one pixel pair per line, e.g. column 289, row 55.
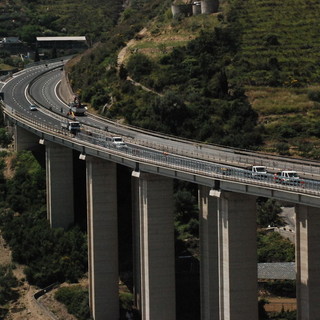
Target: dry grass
column 277, row 101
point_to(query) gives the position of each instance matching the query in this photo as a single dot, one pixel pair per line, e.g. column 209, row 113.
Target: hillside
column 276, row 63
column 28, row 19
column 272, row 56
column 279, row 65
column 280, row 41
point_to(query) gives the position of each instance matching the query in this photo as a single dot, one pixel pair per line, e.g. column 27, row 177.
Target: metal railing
column 169, row 158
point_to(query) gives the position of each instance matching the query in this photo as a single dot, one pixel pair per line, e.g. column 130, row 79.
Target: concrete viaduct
column 227, row 215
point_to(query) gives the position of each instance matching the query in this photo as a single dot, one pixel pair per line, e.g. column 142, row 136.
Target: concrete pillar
column 156, row 236
column 209, row 276
column 209, row 6
column 136, row 243
column 103, row 239
column 181, row 9
column 59, row 174
column 196, row 8
column 308, row 262
column 237, row 256
column 24, row 139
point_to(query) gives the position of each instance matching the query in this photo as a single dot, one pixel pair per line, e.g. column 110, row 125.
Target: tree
column 272, row 247
column 170, row 112
column 268, row 213
column 139, row 65
column 28, row 33
column 5, row 138
column 7, row 282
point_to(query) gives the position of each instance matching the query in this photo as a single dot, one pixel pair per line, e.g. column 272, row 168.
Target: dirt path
column 123, row 52
column 26, row 307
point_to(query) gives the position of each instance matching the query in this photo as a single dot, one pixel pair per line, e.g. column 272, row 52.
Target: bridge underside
column 228, row 261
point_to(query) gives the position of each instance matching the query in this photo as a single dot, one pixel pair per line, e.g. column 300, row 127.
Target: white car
column 118, row 142
column 33, row 107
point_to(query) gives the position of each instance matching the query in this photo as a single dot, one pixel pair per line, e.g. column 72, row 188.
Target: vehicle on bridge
column 77, row 108
column 258, row 172
column 72, row 126
column 288, row 177
column 117, row 142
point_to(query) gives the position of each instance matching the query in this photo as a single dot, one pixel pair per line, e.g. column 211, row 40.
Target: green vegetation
column 186, row 221
column 197, row 99
column 284, row 315
column 253, row 56
column 50, row 254
column 272, row 247
column 28, row 19
column 7, row 284
column 76, row 300
column 283, row 288
column 279, row 41
column 268, row 213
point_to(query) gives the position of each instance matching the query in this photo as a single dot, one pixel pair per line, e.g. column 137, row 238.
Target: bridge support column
column 154, row 198
column 59, row 171
column 237, row 256
column 136, row 243
column 24, row 139
column 103, row 239
column 209, row 277
column 308, row 262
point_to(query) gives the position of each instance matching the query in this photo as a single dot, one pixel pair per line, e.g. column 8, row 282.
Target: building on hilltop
column 187, row 8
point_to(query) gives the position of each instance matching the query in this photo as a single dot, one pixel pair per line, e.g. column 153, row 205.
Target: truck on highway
column 71, row 126
column 289, row 177
column 77, row 108
column 259, row 172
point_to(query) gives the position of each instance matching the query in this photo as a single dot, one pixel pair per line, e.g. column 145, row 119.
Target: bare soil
column 276, row 304
column 27, row 307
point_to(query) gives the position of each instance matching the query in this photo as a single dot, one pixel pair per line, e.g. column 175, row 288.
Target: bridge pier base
column 237, row 256
column 103, row 239
column 59, row 171
column 308, row 262
column 154, row 237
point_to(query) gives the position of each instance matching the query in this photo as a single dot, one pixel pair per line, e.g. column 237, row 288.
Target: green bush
column 76, row 300
column 5, row 138
column 272, row 247
column 51, row 254
column 282, row 148
column 314, row 95
column 268, row 213
column 282, row 288
column 7, row 284
column 139, row 66
column 126, row 300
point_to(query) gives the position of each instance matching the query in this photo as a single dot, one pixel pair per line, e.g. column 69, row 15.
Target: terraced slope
column 280, row 41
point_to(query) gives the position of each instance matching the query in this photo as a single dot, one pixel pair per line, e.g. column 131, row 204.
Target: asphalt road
column 44, row 90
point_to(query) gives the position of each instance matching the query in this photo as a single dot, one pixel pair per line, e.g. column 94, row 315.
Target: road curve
column 43, row 83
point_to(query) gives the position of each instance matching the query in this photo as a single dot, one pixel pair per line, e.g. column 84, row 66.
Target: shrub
column 76, row 300
column 282, row 148
column 282, row 288
column 126, row 300
column 272, row 247
column 314, row 95
column 5, row 138
column 138, row 66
